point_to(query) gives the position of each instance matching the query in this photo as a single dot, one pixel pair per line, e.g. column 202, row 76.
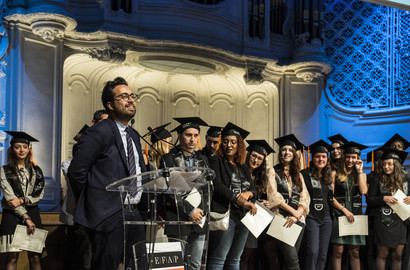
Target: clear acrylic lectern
column 156, row 209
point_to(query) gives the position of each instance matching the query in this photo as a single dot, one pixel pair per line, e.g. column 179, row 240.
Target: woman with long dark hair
column 22, row 183
column 349, row 184
column 389, row 230
column 234, row 191
column 258, row 151
column 318, row 179
column 290, row 196
column 336, row 153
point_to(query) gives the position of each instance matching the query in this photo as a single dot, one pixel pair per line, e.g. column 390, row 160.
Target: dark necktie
column 131, row 157
column 132, row 169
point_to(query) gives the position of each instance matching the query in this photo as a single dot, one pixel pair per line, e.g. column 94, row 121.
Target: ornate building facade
column 312, row 68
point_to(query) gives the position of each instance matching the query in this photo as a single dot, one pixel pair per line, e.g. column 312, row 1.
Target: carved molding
column 48, row 31
column 254, row 75
column 2, row 118
column 308, row 76
column 48, row 26
column 4, row 43
column 111, row 54
column 3, row 66
column 304, row 70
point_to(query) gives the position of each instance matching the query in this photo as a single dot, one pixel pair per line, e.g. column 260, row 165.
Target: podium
column 156, row 208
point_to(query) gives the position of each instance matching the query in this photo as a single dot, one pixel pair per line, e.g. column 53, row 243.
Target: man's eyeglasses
column 126, row 97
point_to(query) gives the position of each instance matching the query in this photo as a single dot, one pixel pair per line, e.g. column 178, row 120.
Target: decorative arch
column 185, row 95
column 221, row 97
column 254, row 97
column 149, row 92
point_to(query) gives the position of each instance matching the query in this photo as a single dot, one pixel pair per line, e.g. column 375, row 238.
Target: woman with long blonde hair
column 161, row 144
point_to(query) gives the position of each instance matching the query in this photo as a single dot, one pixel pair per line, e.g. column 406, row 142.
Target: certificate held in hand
column 401, row 208
column 279, row 231
column 358, row 227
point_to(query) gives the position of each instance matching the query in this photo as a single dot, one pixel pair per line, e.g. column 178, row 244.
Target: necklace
column 348, row 189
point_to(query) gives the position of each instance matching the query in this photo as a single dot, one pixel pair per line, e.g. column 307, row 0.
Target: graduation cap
column 78, row 135
column 388, row 153
column 290, row 140
column 375, row 155
column 20, row 137
column 320, row 147
column 159, row 133
column 214, row 131
column 232, row 129
column 353, row 148
column 338, row 139
column 397, row 138
column 259, row 146
column 188, row 122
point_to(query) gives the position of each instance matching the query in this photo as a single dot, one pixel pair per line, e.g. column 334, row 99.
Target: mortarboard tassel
column 304, row 157
column 146, row 147
column 372, row 161
column 308, row 157
column 219, row 141
column 31, row 158
column 199, row 143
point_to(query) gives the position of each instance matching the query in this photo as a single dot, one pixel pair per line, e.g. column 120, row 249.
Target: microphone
column 132, row 122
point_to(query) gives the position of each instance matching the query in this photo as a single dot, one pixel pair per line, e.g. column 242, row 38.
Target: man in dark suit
column 107, row 152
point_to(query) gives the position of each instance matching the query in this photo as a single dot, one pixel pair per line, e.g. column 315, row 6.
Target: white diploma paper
column 257, row 223
column 194, row 198
column 33, row 242
column 282, row 233
column 358, row 227
column 401, row 209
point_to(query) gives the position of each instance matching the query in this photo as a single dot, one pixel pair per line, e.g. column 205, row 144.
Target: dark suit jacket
column 223, row 195
column 99, row 161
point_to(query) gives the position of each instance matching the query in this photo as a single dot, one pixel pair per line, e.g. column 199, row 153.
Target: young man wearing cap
column 212, row 141
column 184, row 155
column 106, row 153
column 397, row 142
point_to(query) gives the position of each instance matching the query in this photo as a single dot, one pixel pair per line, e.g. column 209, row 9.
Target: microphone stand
column 165, row 174
column 165, row 170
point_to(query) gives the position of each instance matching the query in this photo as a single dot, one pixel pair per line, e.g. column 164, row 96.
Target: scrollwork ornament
column 254, row 75
column 48, row 33
column 113, row 54
column 308, row 76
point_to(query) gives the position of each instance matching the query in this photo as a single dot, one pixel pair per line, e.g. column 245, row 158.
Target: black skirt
column 389, row 236
column 9, row 223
